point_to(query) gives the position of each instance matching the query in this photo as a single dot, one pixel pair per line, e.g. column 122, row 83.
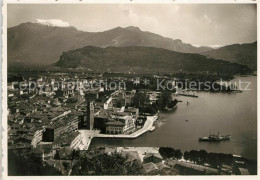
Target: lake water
column 234, row 114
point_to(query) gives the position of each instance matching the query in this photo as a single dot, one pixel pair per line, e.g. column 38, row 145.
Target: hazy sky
column 196, row 24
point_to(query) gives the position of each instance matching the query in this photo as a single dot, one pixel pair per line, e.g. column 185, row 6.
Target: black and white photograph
column 131, row 89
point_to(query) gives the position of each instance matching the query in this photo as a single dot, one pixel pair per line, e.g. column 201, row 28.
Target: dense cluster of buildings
column 45, row 118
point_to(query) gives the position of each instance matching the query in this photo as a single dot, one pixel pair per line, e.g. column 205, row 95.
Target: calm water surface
column 234, row 114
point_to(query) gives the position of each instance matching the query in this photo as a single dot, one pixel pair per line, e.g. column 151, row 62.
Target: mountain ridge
column 240, row 53
column 32, row 43
column 136, row 59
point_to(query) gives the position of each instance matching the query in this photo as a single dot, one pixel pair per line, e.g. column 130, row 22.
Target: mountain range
column 144, row 60
column 36, row 44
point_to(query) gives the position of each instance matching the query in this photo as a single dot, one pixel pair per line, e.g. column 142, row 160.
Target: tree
column 178, row 154
column 104, row 164
column 228, row 159
column 75, row 154
column 186, row 155
column 213, row 159
column 203, row 156
column 194, row 156
column 148, row 109
column 66, row 165
column 134, row 168
column 19, row 165
column 164, row 100
column 110, row 164
column 139, row 100
column 118, row 103
column 167, row 152
column 83, row 166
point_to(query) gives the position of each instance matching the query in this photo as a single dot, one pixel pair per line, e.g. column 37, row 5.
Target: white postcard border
column 4, row 84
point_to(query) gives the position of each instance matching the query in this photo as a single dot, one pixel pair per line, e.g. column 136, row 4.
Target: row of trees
column 214, row 159
column 198, row 157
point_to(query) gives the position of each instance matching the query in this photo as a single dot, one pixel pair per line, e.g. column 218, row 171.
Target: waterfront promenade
column 88, row 135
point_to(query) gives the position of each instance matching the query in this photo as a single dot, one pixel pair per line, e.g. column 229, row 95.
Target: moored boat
column 215, row 138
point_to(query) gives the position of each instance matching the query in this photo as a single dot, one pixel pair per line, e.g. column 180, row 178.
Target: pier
column 188, row 95
column 88, row 135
